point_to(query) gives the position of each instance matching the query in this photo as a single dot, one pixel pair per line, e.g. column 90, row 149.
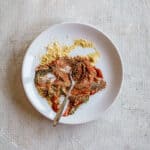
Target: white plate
column 109, row 63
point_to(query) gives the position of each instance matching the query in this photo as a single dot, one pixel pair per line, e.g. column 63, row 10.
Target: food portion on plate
column 52, row 76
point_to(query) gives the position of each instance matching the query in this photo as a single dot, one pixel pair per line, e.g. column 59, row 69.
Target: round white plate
column 109, row 63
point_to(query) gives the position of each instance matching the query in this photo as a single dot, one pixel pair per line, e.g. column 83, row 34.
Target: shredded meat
column 88, row 80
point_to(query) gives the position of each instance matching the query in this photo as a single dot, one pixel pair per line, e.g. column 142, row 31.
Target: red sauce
column 88, row 82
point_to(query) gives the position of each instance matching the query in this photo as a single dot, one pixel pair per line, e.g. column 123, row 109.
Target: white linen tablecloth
column 126, row 125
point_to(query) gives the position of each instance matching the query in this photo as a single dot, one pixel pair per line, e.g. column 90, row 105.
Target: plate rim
column 107, row 37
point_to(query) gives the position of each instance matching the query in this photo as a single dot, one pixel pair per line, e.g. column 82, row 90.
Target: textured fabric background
column 126, row 125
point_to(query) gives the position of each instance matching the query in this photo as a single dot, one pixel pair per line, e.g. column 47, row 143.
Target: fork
column 60, row 111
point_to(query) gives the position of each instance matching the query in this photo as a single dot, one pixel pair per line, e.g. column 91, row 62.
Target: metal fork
column 60, row 111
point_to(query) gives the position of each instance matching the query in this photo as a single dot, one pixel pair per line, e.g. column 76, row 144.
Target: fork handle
column 59, row 113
